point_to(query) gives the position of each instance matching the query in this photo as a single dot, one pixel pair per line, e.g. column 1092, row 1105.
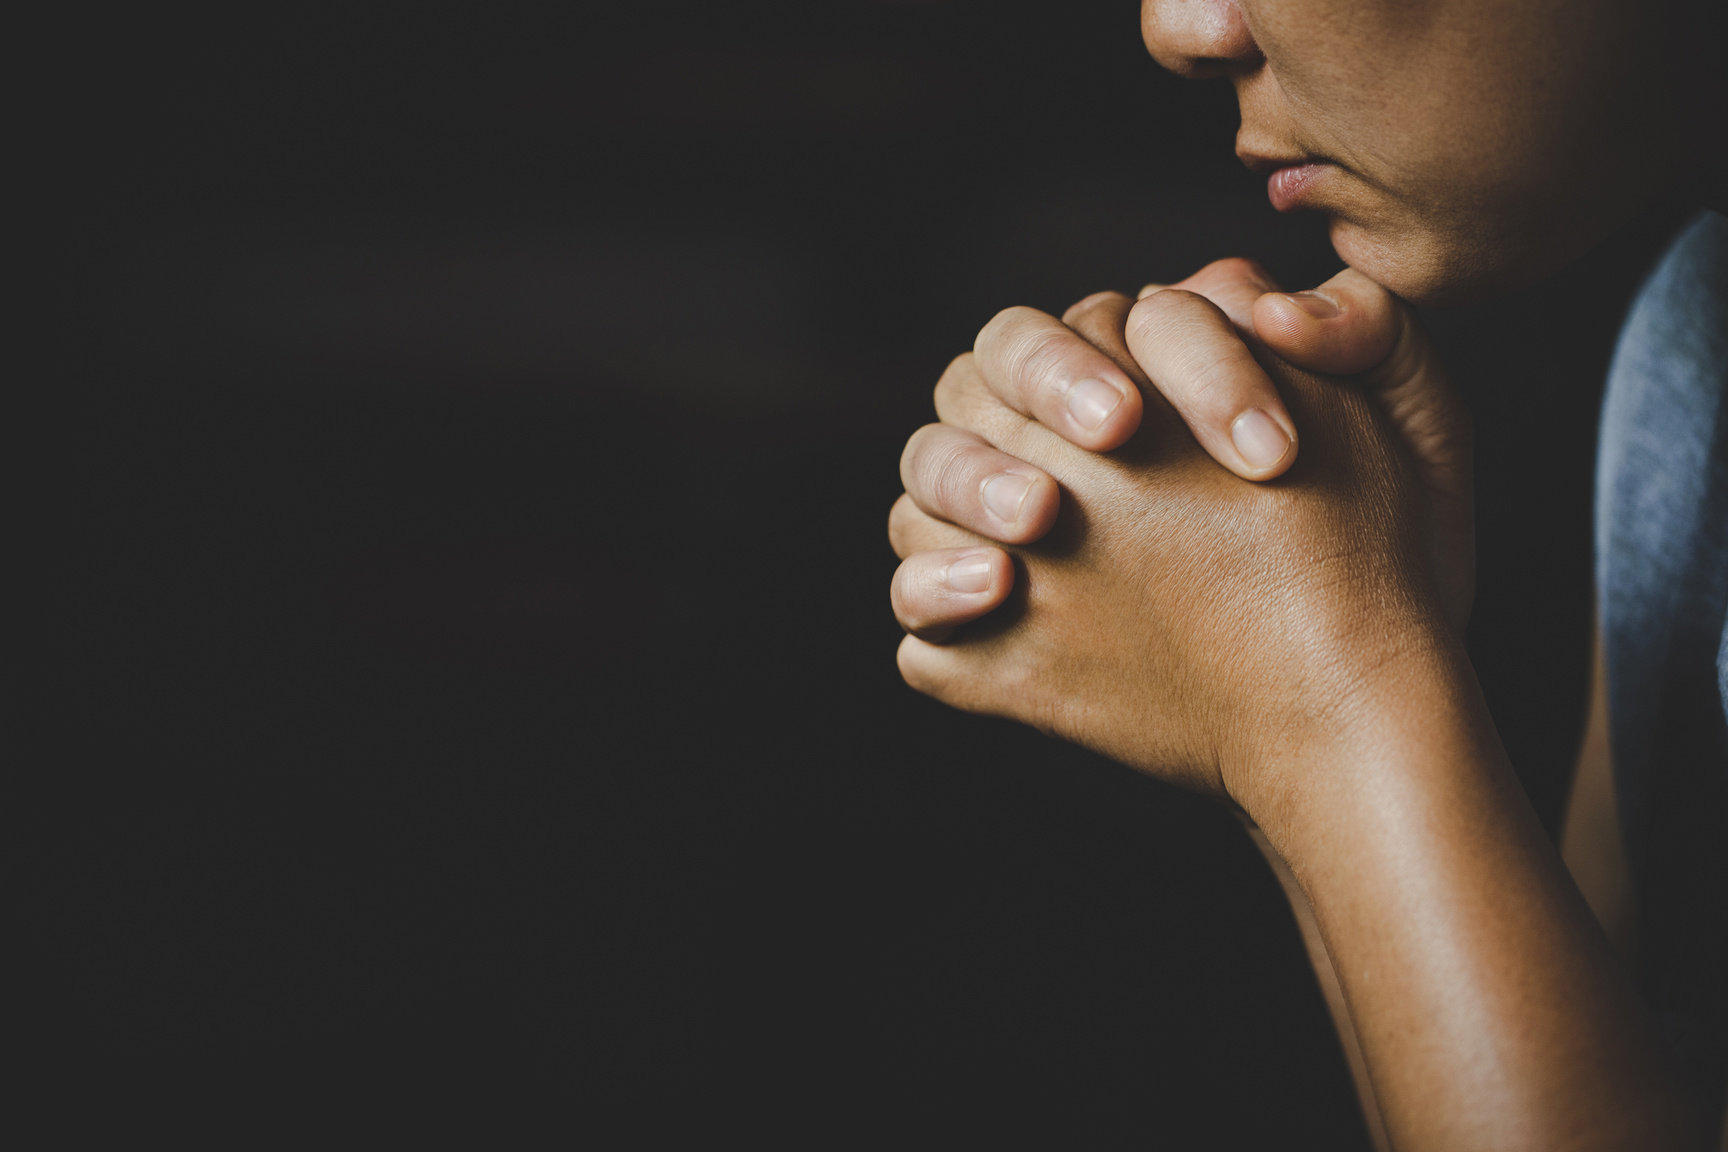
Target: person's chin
column 1422, row 267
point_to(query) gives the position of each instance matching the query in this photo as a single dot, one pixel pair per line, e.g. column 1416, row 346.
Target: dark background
column 473, row 677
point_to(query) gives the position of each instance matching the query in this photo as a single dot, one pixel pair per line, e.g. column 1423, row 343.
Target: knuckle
column 903, row 595
column 1153, row 316
column 929, row 448
column 1238, row 268
column 938, row 465
column 1093, row 303
column 1202, row 360
column 962, row 379
column 902, row 518
column 1001, row 329
column 917, row 667
column 1003, row 324
column 1035, row 362
column 939, row 672
column 920, row 441
column 912, row 456
column 1214, row 383
column 958, row 475
column 1214, row 391
column 960, row 368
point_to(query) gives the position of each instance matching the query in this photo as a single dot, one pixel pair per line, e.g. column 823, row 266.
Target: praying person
column 1222, row 533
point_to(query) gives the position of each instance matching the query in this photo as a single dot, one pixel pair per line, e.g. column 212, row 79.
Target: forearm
column 1488, row 1003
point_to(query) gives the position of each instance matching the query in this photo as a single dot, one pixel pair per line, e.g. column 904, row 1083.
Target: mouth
column 1289, row 180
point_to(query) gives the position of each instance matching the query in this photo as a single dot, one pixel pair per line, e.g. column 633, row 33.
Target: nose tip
column 1198, row 38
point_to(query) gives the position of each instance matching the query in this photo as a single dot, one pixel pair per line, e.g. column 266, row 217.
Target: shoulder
column 1675, row 332
column 1662, row 478
column 1666, row 381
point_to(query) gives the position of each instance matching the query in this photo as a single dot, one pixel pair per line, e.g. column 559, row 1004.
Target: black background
column 473, row 676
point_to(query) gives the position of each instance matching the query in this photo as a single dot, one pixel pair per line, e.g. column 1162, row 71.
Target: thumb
column 1351, row 326
column 1347, row 325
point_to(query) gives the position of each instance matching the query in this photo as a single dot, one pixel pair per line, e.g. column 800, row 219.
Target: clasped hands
column 1231, row 515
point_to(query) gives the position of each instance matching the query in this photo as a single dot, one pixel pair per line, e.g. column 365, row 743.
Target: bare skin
column 1288, row 647
column 1466, row 147
column 1292, row 645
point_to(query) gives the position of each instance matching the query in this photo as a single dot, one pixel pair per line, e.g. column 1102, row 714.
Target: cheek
column 1327, row 54
column 1393, row 91
column 1482, row 149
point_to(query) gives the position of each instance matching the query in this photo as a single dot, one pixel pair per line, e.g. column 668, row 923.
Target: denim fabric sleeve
column 1662, row 586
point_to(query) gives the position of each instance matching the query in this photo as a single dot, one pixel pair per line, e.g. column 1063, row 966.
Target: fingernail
column 969, row 574
column 1318, row 306
column 1259, row 439
column 1090, row 403
column 1004, row 494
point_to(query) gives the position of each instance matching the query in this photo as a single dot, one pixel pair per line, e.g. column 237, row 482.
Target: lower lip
column 1288, row 187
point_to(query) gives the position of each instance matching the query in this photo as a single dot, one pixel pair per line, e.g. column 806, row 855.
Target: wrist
column 1485, row 997
column 1396, row 720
